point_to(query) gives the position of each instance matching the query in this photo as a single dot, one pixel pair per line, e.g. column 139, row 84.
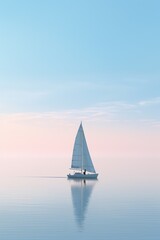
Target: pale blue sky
column 59, row 55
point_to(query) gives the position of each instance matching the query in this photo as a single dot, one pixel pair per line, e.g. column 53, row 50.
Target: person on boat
column 84, row 172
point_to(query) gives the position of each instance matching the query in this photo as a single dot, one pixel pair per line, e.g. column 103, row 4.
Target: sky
column 63, row 62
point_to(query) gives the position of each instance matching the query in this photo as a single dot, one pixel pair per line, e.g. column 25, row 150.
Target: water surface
column 50, row 208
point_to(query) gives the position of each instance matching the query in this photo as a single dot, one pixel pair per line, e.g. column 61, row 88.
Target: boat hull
column 83, row 176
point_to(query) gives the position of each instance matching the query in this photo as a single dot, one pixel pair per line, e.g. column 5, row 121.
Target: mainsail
column 81, row 157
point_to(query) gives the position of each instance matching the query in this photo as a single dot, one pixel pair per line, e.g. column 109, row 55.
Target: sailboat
column 81, row 160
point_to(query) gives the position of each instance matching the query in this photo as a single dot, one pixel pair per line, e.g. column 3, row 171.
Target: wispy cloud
column 119, row 112
column 103, row 110
column 153, row 101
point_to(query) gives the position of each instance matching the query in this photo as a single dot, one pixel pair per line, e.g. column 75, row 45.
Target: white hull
column 83, row 176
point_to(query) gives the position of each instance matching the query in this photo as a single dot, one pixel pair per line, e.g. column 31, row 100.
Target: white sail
column 81, row 157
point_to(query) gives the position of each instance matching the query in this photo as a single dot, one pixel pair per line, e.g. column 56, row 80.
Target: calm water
column 57, row 208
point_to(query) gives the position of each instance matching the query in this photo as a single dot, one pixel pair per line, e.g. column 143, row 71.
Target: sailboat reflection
column 81, row 191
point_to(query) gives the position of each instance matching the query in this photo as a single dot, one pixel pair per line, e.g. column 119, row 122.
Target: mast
column 82, row 147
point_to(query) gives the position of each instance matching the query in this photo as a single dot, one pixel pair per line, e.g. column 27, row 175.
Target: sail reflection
column 81, row 191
